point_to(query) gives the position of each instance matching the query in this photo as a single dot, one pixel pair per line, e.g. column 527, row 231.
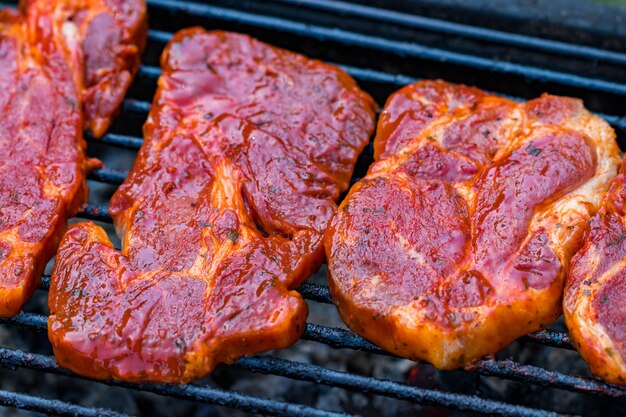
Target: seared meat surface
column 458, row 239
column 246, row 149
column 595, row 294
column 65, row 67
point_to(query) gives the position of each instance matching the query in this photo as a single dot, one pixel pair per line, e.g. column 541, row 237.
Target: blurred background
column 621, row 3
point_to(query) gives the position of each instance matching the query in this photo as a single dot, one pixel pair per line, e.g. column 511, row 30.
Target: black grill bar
column 98, row 213
column 52, row 407
column 401, row 48
column 534, row 375
column 121, row 141
column 462, row 30
column 11, row 358
column 32, row 321
column 343, row 339
column 550, row 338
column 363, row 75
column 315, row 292
column 317, row 374
column 136, row 106
column 508, row 369
column 108, row 175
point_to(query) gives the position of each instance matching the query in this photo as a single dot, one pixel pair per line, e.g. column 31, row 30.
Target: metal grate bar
column 120, row 141
column 462, row 30
column 552, row 338
column 401, row 48
column 11, row 358
column 532, row 374
column 355, row 39
column 52, row 407
column 342, row 339
column 151, row 72
column 363, row 75
column 108, row 175
column 318, row 374
column 315, row 292
column 136, row 106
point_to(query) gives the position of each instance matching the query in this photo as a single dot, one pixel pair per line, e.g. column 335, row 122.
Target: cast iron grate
column 339, row 31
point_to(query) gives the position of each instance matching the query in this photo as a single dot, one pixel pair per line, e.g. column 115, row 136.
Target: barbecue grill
column 383, row 49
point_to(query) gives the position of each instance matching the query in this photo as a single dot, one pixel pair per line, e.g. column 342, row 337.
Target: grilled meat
column 458, row 239
column 595, row 292
column 101, row 41
column 62, row 62
column 246, row 149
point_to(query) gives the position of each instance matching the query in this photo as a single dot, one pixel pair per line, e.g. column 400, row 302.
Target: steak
column 458, row 239
column 65, row 67
column 595, row 293
column 247, row 148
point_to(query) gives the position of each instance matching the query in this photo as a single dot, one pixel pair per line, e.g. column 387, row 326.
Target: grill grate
column 301, row 26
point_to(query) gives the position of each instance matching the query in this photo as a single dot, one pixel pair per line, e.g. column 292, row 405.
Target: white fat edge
column 413, row 252
column 71, row 34
column 25, row 54
column 367, row 291
column 510, row 127
column 573, row 210
column 608, row 163
column 19, row 245
column 136, row 277
column 515, row 128
column 593, row 330
column 433, row 134
column 413, row 316
column 226, row 192
column 73, row 42
column 49, row 189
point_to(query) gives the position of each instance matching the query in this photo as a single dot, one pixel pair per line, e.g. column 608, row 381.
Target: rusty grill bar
column 266, row 19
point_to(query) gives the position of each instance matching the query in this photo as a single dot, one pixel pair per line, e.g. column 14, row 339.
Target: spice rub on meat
column 246, row 149
column 459, row 238
column 595, row 293
column 65, row 67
